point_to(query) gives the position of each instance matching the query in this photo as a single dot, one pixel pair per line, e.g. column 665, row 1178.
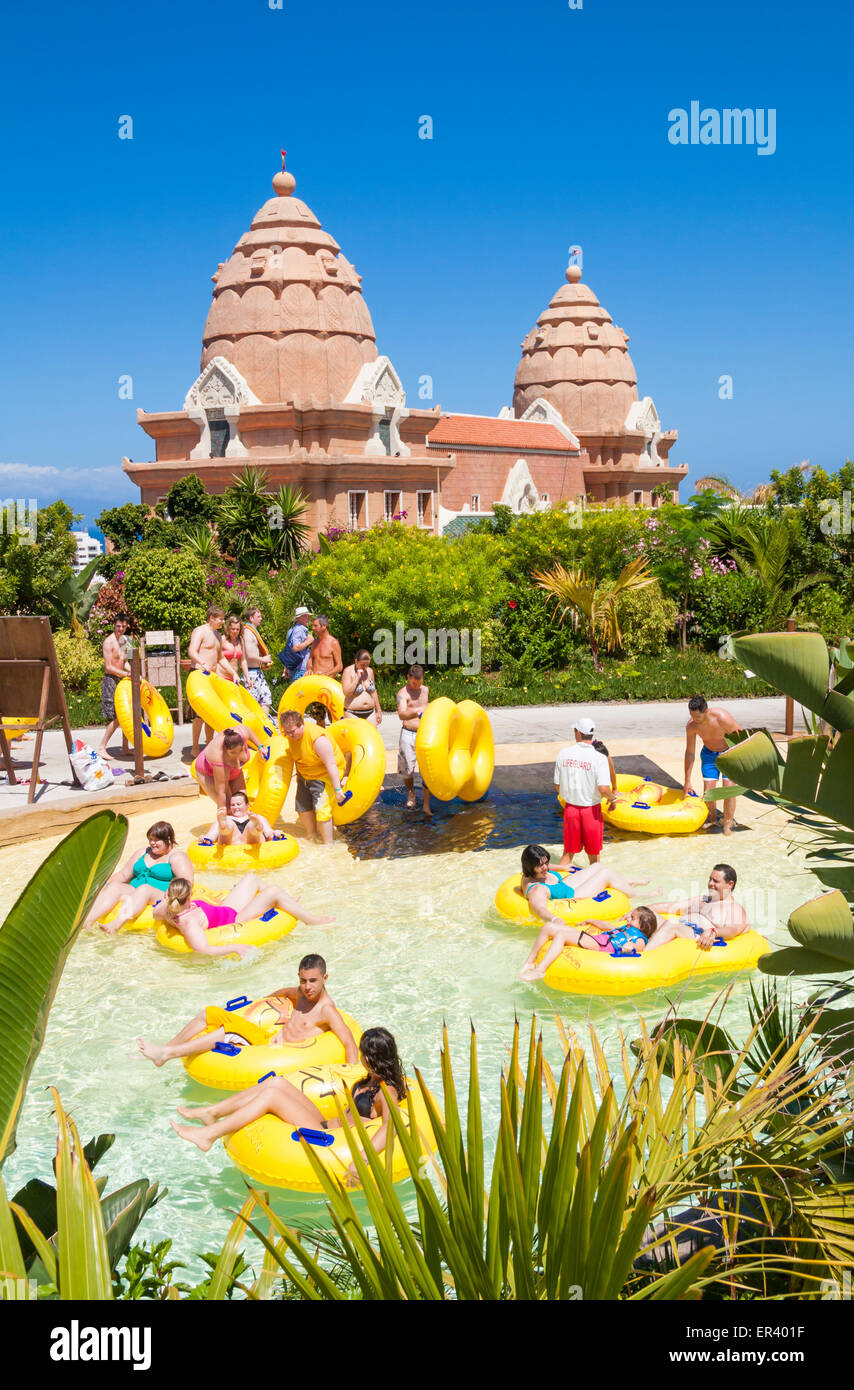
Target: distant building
column 291, row 383
column 87, row 549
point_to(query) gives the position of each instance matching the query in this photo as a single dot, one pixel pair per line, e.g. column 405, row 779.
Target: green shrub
column 530, row 634
column 825, row 608
column 165, row 589
column 395, row 573
column 647, row 621
column 724, row 603
column 78, row 660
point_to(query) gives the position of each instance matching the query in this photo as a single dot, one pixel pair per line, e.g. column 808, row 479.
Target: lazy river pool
column 416, row 941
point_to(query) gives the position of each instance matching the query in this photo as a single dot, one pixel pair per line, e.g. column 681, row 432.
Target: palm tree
column 286, row 525
column 591, row 604
column 262, row 529
column 201, row 542
column 767, row 554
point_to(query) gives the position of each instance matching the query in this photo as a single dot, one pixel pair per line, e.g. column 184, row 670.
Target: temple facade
column 291, row 382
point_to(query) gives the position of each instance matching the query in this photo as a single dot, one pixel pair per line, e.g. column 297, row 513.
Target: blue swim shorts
column 709, row 764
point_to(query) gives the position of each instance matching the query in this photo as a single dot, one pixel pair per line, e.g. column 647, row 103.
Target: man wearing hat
column 297, row 649
column 582, row 777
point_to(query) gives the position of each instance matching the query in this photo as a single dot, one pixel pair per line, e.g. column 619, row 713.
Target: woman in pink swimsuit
column 248, row 899
column 219, row 766
column 233, row 660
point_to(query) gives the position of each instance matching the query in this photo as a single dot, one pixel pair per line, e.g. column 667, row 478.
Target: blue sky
column 550, row 128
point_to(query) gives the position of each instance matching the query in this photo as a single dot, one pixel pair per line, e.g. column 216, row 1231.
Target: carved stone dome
column 576, row 357
column 288, row 309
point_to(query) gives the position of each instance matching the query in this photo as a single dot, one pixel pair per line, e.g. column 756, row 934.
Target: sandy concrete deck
column 527, row 739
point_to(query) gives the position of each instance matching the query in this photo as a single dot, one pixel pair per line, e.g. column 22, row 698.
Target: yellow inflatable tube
column 258, row 931
column 225, row 704
column 310, row 690
column 267, row 1153
column 608, row 906
column 157, row 728
column 145, row 921
column 577, row 971
column 228, row 859
column 247, row 1053
column 653, row 809
column 267, row 779
column 16, row 726
column 361, row 740
column 455, row 749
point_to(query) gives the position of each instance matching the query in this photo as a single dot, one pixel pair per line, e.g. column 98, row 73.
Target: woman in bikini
column 276, row 1096
column 219, row 766
column 154, row 868
column 540, row 885
column 361, row 700
column 249, row 898
column 233, row 662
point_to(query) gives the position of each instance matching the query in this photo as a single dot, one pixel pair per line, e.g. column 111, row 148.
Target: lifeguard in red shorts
column 582, row 777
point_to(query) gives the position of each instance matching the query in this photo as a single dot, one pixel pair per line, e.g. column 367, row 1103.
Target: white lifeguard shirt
column 579, row 773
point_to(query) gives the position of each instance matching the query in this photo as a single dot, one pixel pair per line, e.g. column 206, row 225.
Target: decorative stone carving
column 218, row 391
column 520, row 493
column 544, row 413
column 643, row 419
column 377, row 384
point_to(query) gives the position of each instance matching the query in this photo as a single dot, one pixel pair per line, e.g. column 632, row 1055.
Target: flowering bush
column 226, row 588
column 110, row 602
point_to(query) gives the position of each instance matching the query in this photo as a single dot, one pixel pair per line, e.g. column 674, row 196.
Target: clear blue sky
column 550, row 128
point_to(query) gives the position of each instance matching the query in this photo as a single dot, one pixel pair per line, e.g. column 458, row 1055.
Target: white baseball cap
column 585, row 727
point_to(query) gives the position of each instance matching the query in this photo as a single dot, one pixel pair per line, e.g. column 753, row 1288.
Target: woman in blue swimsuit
column 540, row 885
column 142, row 880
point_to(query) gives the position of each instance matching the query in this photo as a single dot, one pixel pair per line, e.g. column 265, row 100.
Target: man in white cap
column 582, row 777
column 297, row 649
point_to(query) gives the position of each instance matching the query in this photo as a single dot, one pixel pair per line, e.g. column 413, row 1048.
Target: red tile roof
column 487, row 432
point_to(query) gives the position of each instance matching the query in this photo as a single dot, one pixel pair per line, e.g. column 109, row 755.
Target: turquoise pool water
column 416, row 941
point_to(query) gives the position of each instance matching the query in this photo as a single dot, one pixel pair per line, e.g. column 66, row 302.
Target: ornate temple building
column 291, row 383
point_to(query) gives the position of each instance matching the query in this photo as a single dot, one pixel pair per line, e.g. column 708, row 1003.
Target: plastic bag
column 89, row 767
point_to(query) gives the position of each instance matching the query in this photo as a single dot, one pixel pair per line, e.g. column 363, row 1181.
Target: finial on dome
column 573, row 274
column 284, row 183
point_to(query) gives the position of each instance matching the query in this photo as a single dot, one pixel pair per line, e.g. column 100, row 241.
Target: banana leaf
column 797, row 961
column 755, row 763
column 796, row 664
column 825, row 925
column 35, row 939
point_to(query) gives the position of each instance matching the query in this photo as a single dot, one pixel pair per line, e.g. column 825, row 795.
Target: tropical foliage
column 813, row 783
column 591, row 606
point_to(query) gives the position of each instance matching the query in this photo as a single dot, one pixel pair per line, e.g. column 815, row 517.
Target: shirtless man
column 238, row 825
column 717, row 913
column 412, row 700
column 205, row 652
column 325, row 658
column 712, row 724
column 115, row 669
column 305, row 1012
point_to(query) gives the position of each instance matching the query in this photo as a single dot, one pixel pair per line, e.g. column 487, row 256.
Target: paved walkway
column 540, row 724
